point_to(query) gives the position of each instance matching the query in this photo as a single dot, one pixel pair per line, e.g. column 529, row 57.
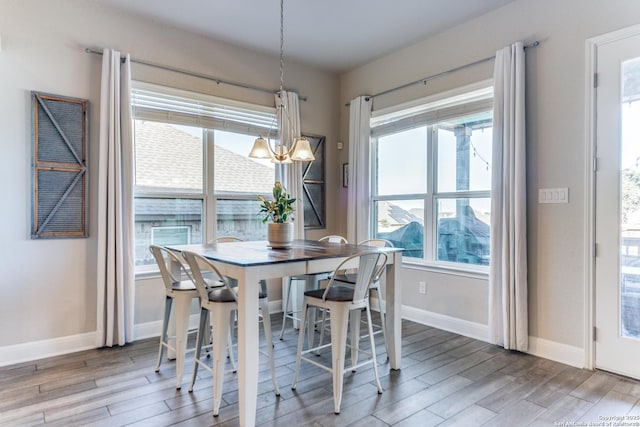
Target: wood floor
column 445, row 380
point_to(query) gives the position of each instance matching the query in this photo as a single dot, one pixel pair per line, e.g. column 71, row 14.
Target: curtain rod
column 194, row 74
column 424, row 80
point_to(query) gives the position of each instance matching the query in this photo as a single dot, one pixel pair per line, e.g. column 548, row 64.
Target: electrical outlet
column 422, row 288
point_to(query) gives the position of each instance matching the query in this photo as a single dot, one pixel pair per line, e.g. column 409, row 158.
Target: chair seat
column 185, row 285
column 336, row 293
column 221, row 295
column 211, row 283
column 304, row 276
column 346, row 278
column 225, row 295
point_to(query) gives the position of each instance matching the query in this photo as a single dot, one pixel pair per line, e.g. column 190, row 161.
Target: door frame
column 590, row 249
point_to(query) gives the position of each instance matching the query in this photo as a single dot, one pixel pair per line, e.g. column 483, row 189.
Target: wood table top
column 252, row 253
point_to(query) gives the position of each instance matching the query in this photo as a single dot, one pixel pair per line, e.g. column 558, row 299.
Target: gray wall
column 555, row 146
column 48, row 290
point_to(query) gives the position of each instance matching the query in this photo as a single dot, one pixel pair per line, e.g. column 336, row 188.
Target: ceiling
column 336, row 35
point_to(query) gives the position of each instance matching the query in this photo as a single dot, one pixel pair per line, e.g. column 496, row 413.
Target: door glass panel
column 630, row 200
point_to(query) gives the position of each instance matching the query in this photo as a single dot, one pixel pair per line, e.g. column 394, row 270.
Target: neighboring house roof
column 390, row 213
column 236, row 173
column 167, row 157
column 152, row 209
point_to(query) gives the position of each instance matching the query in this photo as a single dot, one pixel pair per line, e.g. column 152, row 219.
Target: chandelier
column 300, row 149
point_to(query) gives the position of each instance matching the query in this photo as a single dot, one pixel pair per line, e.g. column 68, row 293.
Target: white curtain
column 358, row 191
column 289, row 128
column 115, row 276
column 508, row 324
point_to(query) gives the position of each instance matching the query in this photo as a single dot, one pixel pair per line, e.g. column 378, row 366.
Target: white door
column 617, row 276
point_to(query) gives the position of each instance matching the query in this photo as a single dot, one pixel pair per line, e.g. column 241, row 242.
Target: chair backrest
column 379, row 243
column 333, row 239
column 370, row 265
column 225, row 239
column 164, row 258
column 198, row 264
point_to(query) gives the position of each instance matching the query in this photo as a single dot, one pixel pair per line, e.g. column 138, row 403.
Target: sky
column 630, row 153
column 402, row 161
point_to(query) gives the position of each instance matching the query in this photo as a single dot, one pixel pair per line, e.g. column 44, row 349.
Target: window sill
column 481, row 273
column 147, row 274
column 474, row 273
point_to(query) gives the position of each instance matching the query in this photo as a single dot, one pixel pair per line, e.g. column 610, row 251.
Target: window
column 431, row 186
column 193, row 177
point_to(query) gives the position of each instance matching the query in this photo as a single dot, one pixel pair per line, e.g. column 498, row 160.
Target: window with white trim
column 193, row 178
column 431, row 178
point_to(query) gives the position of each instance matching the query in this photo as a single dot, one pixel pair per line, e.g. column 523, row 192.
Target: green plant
column 279, row 209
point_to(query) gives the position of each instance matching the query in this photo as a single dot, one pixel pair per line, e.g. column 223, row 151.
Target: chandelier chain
column 281, row 45
column 300, row 149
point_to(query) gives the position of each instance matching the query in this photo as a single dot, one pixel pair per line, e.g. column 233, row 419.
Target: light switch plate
column 553, row 195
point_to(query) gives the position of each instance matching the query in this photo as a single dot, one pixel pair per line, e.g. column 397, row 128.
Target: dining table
column 251, row 261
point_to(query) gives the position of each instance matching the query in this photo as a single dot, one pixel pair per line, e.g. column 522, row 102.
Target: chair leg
column 266, row 325
column 221, row 320
column 355, row 319
column 165, row 326
column 381, row 310
column 183, row 307
column 339, row 318
column 372, row 343
column 322, row 327
column 312, row 282
column 300, row 343
column 285, row 305
column 202, row 332
column 230, row 341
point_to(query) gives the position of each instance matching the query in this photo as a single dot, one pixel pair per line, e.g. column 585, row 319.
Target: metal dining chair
column 317, row 278
column 218, row 307
column 183, row 292
column 341, row 302
column 348, row 279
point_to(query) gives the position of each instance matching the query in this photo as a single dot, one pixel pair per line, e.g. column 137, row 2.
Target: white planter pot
column 280, row 234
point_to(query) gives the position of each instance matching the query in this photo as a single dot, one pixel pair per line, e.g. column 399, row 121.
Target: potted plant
column 279, row 211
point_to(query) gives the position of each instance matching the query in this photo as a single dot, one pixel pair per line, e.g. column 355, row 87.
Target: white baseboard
column 447, row 323
column 558, row 352
column 563, row 353
column 33, row 350
column 275, row 306
column 18, row 353
column 152, row 329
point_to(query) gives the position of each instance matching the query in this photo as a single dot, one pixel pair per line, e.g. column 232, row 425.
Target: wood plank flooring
column 445, row 380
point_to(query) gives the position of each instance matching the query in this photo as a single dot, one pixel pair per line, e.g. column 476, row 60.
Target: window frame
column 209, row 125
column 412, row 112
